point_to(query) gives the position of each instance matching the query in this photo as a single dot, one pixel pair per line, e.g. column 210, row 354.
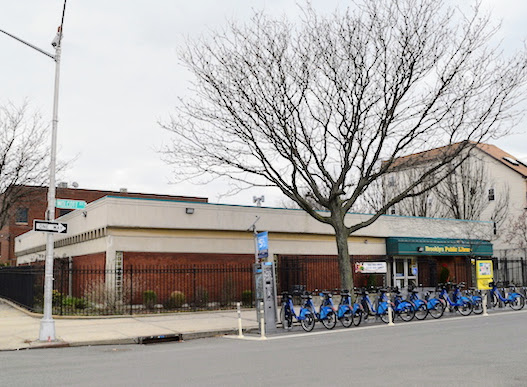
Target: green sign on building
column 438, row 246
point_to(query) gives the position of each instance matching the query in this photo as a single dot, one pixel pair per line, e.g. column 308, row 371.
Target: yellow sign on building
column 484, row 274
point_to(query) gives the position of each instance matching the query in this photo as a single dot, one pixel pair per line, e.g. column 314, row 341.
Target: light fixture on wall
column 420, row 249
column 189, row 210
column 84, row 213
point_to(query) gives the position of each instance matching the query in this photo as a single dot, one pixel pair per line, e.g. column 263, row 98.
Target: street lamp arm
column 30, row 45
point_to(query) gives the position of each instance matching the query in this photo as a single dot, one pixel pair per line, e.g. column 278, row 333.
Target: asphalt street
column 464, row 351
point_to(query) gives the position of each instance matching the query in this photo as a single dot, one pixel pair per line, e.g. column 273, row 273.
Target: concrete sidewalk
column 20, row 330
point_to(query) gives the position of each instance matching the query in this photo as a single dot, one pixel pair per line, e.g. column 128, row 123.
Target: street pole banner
column 263, row 244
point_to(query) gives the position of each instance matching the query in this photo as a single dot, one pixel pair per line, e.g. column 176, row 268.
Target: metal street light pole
column 47, row 324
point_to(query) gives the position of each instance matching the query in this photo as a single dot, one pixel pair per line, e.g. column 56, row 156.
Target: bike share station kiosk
column 265, row 284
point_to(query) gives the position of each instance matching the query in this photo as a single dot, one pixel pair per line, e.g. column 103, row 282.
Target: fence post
column 62, row 266
column 131, row 288
column 522, row 264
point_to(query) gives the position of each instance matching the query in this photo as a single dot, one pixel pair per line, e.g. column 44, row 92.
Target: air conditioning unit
column 63, row 184
column 123, row 190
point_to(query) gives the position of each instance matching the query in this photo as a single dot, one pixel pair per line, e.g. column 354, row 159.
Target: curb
column 142, row 340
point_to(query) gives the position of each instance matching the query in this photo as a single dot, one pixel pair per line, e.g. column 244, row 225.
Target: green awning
column 438, row 246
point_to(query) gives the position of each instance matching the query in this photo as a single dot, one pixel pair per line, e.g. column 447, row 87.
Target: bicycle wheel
column 495, row 300
column 347, row 319
column 466, row 308
column 421, row 312
column 330, row 321
column 286, row 318
column 437, row 310
column 477, row 306
column 308, row 323
column 518, row 302
column 385, row 318
column 407, row 312
column 357, row 318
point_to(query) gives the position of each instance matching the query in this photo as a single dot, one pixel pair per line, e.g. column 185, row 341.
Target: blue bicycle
column 432, row 306
column 348, row 313
column 458, row 302
column 326, row 314
column 474, row 295
column 287, row 313
column 515, row 300
column 382, row 305
column 404, row 309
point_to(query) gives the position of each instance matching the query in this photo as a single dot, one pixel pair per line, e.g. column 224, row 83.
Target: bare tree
column 461, row 195
column 315, row 107
column 24, row 159
column 464, row 194
column 517, row 231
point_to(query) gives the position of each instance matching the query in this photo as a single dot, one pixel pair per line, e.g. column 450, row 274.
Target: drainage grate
column 160, row 338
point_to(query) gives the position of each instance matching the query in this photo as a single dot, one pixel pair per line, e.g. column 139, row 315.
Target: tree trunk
column 346, row 275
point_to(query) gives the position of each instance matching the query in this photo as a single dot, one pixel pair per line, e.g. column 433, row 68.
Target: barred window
column 21, row 216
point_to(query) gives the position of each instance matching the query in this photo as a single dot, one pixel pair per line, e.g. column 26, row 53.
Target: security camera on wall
column 258, row 200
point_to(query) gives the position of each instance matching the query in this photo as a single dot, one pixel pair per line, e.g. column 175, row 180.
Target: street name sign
column 48, row 226
column 70, row 204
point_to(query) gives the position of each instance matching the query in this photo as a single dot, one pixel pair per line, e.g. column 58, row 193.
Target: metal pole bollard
column 262, row 322
column 240, row 330
column 484, row 301
column 390, row 320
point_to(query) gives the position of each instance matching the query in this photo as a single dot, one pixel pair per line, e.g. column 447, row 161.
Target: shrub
column 74, row 302
column 201, row 298
column 149, row 298
column 247, row 298
column 176, row 300
column 57, row 297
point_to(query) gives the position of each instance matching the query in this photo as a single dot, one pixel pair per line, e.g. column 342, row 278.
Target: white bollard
column 262, row 322
column 484, row 301
column 390, row 320
column 240, row 330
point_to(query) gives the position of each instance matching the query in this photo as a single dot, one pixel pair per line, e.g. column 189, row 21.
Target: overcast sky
column 120, row 75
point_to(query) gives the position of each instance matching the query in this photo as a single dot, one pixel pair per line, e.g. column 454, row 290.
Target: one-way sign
column 48, row 226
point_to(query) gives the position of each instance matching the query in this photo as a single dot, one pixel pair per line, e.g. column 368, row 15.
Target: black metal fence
column 146, row 289
column 509, row 270
column 132, row 290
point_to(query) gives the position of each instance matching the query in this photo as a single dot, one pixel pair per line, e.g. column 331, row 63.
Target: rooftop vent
column 512, row 161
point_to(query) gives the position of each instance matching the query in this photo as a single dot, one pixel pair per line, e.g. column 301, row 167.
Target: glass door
column 404, row 272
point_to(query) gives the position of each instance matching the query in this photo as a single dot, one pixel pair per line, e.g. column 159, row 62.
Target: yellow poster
column 484, row 274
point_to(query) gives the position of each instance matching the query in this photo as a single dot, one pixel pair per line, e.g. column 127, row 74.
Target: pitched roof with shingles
column 502, row 156
column 491, row 150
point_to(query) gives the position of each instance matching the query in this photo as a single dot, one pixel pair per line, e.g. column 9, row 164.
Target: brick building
column 117, row 233
column 32, row 205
